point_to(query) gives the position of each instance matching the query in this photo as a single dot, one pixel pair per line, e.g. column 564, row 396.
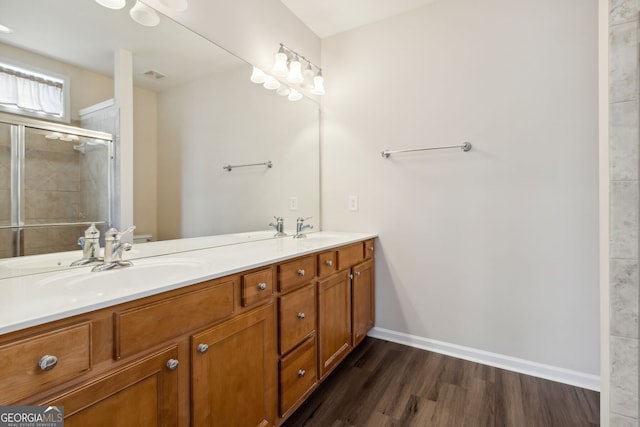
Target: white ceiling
column 329, row 17
column 85, row 34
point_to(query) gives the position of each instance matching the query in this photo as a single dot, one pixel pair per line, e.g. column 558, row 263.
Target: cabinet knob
column 202, row 348
column 300, row 315
column 172, row 364
column 262, row 286
column 357, row 273
column 350, row 276
column 302, row 373
column 329, row 263
column 300, row 272
column 47, row 362
column 370, row 248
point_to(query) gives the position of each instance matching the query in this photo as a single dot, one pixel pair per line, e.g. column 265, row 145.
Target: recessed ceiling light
column 5, row 30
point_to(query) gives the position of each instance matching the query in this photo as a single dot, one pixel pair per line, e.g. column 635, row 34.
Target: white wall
column 224, row 119
column 495, row 249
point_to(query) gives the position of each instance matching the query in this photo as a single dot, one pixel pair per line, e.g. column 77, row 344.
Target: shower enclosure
column 55, row 180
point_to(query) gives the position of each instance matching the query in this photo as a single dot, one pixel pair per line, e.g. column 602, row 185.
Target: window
column 33, row 93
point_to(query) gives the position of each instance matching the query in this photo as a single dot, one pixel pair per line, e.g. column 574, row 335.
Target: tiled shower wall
column 624, row 118
column 62, row 185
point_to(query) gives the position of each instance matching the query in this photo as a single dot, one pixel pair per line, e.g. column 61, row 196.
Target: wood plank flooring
column 388, row 384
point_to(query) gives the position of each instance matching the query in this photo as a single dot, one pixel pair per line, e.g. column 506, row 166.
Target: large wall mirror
column 195, row 112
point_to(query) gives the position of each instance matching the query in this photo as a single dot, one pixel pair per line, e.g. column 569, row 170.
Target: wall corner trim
column 553, row 373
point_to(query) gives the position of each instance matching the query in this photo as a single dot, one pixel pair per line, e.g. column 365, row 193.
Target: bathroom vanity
column 232, row 336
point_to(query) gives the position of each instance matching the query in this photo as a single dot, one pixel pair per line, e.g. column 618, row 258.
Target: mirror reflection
column 195, row 111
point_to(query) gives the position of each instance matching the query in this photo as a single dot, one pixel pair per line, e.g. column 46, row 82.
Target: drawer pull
column 301, row 316
column 302, row 373
column 300, row 272
column 203, row 348
column 262, row 286
column 329, row 263
column 172, row 364
column 47, row 362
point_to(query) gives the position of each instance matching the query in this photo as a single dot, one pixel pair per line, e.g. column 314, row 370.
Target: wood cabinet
column 241, row 350
column 362, row 298
column 334, row 320
column 234, row 372
column 44, row 360
column 143, row 393
column 296, row 329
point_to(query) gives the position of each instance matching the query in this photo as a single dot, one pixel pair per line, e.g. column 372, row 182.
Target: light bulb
column 112, row 4
column 258, row 76
column 318, row 84
column 280, row 66
column 294, row 95
column 295, row 71
column 271, row 83
column 144, row 15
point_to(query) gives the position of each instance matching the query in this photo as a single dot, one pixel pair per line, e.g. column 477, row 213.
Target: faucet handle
column 301, row 219
column 114, row 234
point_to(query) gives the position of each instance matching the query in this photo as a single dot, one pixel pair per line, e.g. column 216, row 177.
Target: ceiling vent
column 154, row 74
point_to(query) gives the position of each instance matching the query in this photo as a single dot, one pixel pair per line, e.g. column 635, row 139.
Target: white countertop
column 40, row 298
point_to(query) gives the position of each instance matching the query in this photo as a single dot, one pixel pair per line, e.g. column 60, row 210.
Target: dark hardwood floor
column 387, row 384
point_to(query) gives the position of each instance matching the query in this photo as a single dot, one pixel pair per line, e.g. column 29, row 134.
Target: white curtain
column 30, row 92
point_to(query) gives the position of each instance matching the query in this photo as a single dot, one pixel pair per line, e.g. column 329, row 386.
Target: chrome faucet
column 300, row 226
column 113, row 249
column 90, row 245
column 279, row 226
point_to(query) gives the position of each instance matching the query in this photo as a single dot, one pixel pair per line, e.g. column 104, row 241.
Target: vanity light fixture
column 144, row 15
column 280, row 65
column 271, row 83
column 295, row 71
column 288, row 63
column 318, row 84
column 258, row 76
column 283, row 90
column 294, row 95
column 141, row 13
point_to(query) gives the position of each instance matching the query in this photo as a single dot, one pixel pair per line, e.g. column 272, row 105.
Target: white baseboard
column 566, row 376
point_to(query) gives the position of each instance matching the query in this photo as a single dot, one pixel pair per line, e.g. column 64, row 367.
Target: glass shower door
column 66, row 181
column 55, row 181
column 6, row 231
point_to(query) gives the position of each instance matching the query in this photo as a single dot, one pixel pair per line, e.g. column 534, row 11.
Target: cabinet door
column 234, row 372
column 142, row 394
column 334, row 320
column 363, row 308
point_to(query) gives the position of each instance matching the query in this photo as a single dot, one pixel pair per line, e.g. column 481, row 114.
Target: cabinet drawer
column 21, row 373
column 143, row 327
column 369, row 248
column 296, row 272
column 350, row 255
column 297, row 375
column 296, row 316
column 327, row 263
column 257, row 287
